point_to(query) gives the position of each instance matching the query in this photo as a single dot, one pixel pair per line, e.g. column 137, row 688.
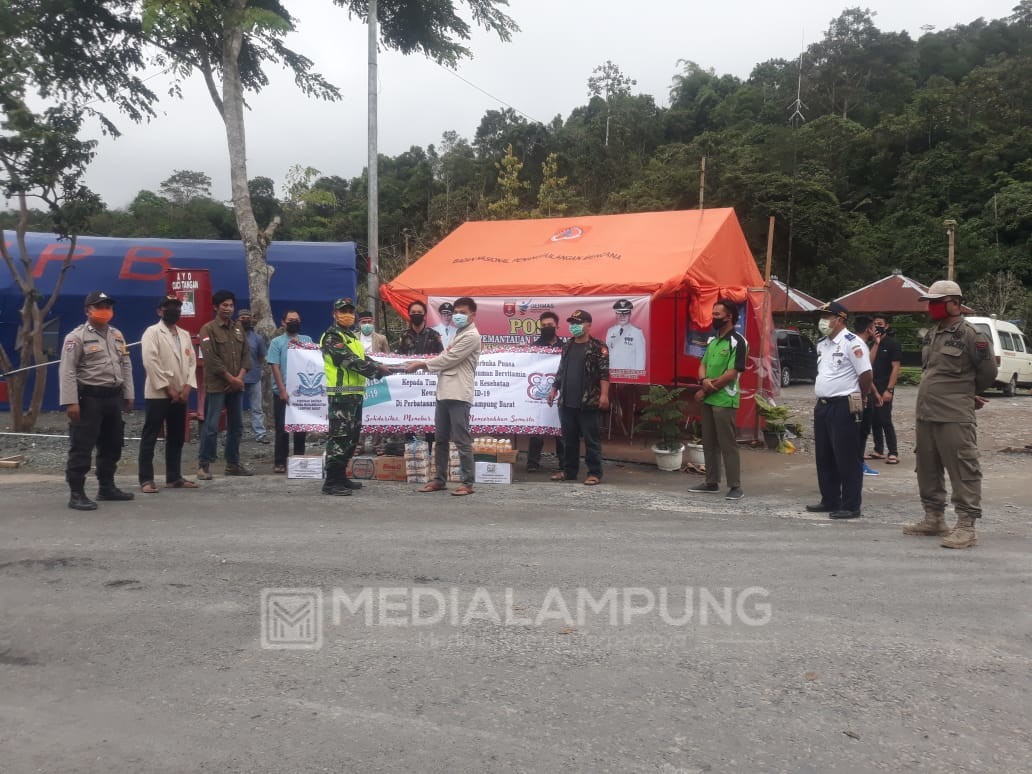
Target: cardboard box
column 306, row 466
column 361, row 467
column 507, row 456
column 389, row 469
column 493, row 473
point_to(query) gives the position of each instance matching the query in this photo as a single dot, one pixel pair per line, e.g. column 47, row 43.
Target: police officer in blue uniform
column 843, row 377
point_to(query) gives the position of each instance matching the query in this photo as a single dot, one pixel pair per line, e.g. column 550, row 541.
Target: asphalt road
column 130, row 639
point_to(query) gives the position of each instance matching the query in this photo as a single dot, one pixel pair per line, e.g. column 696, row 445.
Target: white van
column 1013, row 354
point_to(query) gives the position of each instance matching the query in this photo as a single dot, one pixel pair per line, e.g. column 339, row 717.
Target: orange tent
column 684, row 260
column 655, row 253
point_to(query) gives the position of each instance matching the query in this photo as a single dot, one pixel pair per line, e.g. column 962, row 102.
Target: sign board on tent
column 193, row 288
column 510, row 321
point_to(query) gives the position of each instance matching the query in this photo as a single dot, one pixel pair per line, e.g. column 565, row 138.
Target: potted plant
column 693, row 442
column 775, row 421
column 663, row 419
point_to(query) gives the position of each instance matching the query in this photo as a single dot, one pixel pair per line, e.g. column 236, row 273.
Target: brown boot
column 932, row 525
column 963, row 535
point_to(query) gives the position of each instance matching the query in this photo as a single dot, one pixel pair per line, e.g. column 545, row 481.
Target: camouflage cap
column 344, row 303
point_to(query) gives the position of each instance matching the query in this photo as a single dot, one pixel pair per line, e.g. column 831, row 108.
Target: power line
column 489, row 94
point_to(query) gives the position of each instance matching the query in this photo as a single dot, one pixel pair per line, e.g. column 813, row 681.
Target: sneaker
column 204, row 472
column 869, row 471
column 236, row 469
column 734, row 493
column 263, row 439
column 709, row 488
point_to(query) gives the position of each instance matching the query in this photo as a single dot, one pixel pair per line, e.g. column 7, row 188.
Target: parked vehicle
column 1013, row 355
column 797, row 355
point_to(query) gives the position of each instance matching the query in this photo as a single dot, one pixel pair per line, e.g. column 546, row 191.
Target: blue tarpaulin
column 308, row 276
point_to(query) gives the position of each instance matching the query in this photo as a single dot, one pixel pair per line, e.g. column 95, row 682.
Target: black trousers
column 162, row 412
column 537, row 444
column 100, row 425
column 279, row 454
column 884, row 430
column 581, row 423
column 866, row 420
column 839, row 472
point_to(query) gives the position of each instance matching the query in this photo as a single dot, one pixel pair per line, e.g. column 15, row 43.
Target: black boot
column 334, row 483
column 350, row 483
column 80, row 502
column 108, row 491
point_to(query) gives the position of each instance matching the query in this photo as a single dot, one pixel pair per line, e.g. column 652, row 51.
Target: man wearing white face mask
column 843, row 377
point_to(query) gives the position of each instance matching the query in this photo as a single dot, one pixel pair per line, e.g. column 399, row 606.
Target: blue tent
column 308, row 276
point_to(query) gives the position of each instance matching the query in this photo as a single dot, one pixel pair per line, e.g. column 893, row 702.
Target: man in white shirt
column 171, row 366
column 447, row 328
column 626, row 342
column 843, row 377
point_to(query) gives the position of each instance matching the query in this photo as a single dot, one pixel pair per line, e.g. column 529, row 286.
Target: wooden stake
column 770, row 251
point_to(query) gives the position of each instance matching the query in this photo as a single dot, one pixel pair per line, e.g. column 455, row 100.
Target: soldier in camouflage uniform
column 958, row 363
column 347, row 368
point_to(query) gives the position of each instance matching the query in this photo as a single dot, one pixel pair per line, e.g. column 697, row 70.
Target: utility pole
column 770, row 253
column 373, row 223
column 702, row 182
column 951, row 232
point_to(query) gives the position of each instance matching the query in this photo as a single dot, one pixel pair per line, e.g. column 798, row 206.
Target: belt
column 836, row 399
column 96, row 391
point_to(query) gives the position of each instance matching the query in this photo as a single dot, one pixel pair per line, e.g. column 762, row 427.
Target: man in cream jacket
column 456, row 368
column 171, row 366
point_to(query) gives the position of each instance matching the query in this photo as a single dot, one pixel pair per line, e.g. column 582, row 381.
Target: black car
column 797, row 355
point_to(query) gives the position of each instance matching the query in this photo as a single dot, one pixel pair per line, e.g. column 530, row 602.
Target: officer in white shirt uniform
column 447, row 329
column 626, row 342
column 843, row 369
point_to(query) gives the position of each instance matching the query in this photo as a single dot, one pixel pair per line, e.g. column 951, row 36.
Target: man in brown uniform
column 96, row 387
column 959, row 363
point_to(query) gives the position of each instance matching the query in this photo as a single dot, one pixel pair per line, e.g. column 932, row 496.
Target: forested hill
column 893, row 136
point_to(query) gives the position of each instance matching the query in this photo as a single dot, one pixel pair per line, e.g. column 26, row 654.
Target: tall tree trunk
column 256, row 241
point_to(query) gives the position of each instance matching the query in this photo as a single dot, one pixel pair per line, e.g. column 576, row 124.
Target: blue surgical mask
column 576, row 329
column 367, row 329
column 460, row 320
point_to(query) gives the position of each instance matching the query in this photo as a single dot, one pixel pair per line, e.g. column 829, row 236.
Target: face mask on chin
column 937, row 310
column 824, row 326
column 101, row 316
column 170, row 316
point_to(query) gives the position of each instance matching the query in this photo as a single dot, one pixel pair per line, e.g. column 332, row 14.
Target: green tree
column 554, row 196
column 509, row 204
column 228, row 42
column 64, row 58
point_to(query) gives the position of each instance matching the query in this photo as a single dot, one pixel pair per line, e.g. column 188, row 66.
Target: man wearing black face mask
column 549, row 323
column 722, row 364
column 419, row 339
column 171, row 366
column 280, row 397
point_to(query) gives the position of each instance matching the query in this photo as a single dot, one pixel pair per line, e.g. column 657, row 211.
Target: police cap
column 99, row 297
column 623, row 305
column 446, row 307
column 835, row 309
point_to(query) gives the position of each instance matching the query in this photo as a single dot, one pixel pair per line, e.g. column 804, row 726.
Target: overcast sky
column 542, row 72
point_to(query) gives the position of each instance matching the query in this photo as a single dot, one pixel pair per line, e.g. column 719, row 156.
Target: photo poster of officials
column 695, row 339
column 510, row 397
column 620, row 322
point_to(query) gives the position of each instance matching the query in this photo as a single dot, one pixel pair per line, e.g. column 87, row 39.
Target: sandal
column 874, row 456
column 892, row 459
column 181, row 484
column 462, row 491
column 433, row 486
column 148, row 487
column 592, row 481
column 560, row 476
column 279, row 468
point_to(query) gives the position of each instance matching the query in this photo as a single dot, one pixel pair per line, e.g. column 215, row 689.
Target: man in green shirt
column 722, row 364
